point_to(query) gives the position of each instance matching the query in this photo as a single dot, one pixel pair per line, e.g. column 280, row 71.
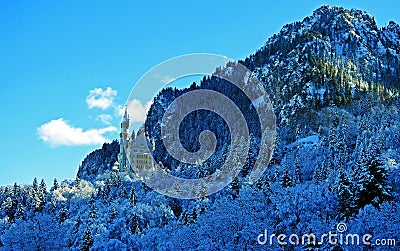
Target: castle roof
column 140, row 142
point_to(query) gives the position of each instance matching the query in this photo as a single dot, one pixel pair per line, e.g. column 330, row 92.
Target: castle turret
column 123, row 142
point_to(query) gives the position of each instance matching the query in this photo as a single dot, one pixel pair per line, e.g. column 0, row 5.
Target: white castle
column 136, row 149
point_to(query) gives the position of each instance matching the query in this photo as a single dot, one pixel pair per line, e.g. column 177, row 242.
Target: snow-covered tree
column 56, row 185
column 297, row 172
column 62, row 214
column 134, row 224
column 370, row 180
column 87, row 240
column 286, row 179
column 77, row 225
column 133, row 197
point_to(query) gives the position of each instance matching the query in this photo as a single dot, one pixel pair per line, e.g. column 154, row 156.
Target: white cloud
column 99, row 98
column 165, row 79
column 136, row 109
column 58, row 132
column 105, row 118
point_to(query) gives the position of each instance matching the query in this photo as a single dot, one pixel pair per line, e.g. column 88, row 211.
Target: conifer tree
column 56, row 185
column 297, row 171
column 133, row 197
column 113, row 213
column 276, row 175
column 77, row 224
column 346, row 195
column 235, row 187
column 286, row 180
column 34, row 197
column 42, row 194
column 62, row 215
column 135, row 227
column 371, row 180
column 87, row 240
column 9, row 208
column 93, row 210
column 35, row 185
column 78, row 182
column 20, row 214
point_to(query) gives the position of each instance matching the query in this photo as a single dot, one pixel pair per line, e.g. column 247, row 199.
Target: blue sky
column 70, row 65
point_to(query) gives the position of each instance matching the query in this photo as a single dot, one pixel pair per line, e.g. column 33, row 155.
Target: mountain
column 334, row 81
column 334, row 58
column 329, row 57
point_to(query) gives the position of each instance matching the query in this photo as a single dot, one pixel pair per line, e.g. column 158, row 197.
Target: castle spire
column 126, row 116
column 125, row 119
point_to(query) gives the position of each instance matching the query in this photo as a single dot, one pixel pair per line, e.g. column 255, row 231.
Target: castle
column 136, row 154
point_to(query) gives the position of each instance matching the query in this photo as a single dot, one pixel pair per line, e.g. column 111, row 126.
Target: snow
column 310, row 140
column 314, row 149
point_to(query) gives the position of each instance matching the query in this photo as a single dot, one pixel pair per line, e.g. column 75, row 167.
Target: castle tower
column 123, row 142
